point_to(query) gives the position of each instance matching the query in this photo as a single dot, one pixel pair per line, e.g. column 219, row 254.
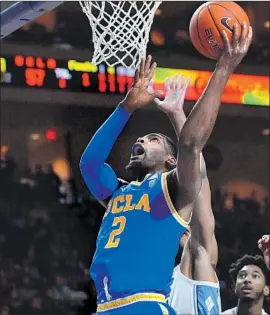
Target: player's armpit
column 203, row 223
column 214, row 252
column 203, row 265
column 203, row 167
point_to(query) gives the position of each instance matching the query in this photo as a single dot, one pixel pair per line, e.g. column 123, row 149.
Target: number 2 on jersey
column 113, row 240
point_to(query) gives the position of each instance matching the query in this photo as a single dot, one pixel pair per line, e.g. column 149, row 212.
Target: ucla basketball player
column 140, row 233
column 195, row 287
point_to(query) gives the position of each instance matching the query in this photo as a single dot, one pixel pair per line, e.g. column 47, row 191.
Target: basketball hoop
column 120, row 30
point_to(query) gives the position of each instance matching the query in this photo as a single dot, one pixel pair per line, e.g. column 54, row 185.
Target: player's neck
column 250, row 307
column 143, row 175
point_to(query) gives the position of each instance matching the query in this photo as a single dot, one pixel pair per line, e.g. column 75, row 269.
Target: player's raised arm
column 203, row 222
column 202, row 118
column 99, row 176
column 172, row 105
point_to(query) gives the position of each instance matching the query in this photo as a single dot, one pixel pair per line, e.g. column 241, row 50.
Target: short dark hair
column 249, row 260
column 171, row 144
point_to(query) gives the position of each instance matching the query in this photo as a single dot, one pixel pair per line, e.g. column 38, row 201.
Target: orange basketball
column 209, row 20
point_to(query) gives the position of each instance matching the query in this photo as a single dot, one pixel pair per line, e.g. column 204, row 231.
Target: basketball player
column 141, row 229
column 264, row 246
column 195, row 287
column 251, row 279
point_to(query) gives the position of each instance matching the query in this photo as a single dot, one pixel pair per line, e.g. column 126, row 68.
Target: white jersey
column 191, row 297
column 233, row 311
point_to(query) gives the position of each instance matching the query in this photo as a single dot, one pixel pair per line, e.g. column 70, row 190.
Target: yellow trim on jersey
column 174, row 212
column 139, row 297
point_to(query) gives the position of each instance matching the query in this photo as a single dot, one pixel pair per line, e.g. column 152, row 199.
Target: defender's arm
column 203, row 224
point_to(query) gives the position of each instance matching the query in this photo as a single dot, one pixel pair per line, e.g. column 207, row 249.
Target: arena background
column 53, row 100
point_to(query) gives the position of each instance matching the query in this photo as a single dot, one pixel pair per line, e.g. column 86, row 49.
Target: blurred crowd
column 46, row 244
column 56, row 29
column 47, row 240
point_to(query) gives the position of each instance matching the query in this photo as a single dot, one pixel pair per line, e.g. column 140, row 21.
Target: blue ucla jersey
column 138, row 240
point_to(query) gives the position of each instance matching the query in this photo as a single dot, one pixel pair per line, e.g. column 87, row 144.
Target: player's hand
column 264, row 246
column 176, row 88
column 140, row 95
column 234, row 52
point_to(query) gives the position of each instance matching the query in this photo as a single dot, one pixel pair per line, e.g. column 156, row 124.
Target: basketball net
column 120, row 30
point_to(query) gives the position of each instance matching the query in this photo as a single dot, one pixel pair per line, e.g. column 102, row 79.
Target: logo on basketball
column 224, row 22
column 211, row 40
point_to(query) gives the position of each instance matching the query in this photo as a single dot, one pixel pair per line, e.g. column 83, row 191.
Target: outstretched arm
column 99, row 176
column 202, row 118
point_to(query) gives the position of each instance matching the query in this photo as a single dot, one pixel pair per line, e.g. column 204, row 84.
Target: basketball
column 209, row 20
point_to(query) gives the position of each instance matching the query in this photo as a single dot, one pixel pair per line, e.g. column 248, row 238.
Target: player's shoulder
column 170, row 179
column 231, row 311
column 121, row 183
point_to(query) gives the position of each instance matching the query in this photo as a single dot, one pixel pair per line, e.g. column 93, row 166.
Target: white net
column 120, row 30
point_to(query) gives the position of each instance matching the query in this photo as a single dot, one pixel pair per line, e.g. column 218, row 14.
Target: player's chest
column 134, row 198
column 130, row 202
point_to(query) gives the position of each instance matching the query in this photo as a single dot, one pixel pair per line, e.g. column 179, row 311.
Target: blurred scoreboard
column 82, row 76
column 71, row 75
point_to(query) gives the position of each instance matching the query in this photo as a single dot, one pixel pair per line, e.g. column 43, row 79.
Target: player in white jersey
column 251, row 280
column 195, row 287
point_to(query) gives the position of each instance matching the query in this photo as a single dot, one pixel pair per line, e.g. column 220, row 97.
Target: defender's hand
column 234, row 52
column 139, row 95
column 176, row 88
column 264, row 246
